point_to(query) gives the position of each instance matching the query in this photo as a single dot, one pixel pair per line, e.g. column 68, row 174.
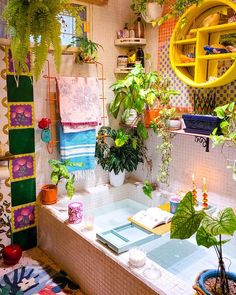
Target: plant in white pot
column 118, row 151
column 211, row 231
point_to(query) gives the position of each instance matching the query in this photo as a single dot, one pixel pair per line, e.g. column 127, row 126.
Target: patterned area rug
column 35, row 274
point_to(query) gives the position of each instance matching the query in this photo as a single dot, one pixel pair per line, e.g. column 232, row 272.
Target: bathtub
column 96, row 268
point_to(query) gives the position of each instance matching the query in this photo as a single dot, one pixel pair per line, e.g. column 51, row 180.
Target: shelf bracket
column 204, row 141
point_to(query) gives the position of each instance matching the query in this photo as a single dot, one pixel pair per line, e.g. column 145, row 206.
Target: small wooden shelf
column 122, row 70
column 7, row 157
column 186, row 64
column 186, row 41
column 130, row 42
column 181, row 131
column 221, row 56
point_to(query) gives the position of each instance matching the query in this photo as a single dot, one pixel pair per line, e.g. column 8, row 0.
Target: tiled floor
column 31, row 257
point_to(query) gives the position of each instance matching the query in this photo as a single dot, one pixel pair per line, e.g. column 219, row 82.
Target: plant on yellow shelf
column 39, row 20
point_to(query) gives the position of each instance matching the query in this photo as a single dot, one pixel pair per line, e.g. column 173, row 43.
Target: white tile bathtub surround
column 88, row 262
column 188, row 158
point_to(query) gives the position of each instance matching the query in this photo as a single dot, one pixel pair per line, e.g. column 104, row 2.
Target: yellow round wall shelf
column 200, row 26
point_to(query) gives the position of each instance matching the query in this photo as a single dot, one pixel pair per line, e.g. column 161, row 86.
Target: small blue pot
column 211, row 273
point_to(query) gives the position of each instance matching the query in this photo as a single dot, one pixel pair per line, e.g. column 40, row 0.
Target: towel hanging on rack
column 79, row 103
column 78, row 147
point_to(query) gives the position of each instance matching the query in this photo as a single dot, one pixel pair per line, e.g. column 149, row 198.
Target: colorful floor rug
column 35, row 277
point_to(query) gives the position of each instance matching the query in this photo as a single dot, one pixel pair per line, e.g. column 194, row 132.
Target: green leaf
column 186, row 220
column 54, row 177
column 147, row 189
column 142, row 131
column 206, row 239
column 223, row 224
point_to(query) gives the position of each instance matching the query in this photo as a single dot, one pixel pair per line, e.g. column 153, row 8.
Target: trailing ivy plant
column 60, row 171
column 125, row 151
column 39, row 20
column 210, row 232
column 227, row 113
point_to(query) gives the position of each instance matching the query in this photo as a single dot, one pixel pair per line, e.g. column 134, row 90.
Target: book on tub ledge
column 153, row 219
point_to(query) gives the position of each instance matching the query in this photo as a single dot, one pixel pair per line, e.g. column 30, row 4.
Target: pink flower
column 25, row 212
column 20, row 109
column 13, row 115
column 19, row 218
column 29, row 165
column 16, row 168
column 27, row 114
column 21, row 162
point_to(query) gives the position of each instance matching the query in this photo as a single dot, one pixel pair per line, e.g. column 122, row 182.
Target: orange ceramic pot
column 49, row 194
column 150, row 116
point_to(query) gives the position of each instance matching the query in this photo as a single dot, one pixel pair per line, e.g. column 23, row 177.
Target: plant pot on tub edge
column 117, row 179
column 49, row 194
column 208, row 274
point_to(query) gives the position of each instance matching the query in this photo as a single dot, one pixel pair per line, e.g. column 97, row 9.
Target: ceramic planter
column 49, row 194
column 153, row 12
column 201, row 124
column 117, row 179
column 206, row 274
column 150, row 116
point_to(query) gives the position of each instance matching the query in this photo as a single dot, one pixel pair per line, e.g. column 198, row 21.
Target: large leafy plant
column 227, row 113
column 87, row 49
column 137, row 91
column 39, row 20
column 124, row 152
column 209, row 231
column 60, row 171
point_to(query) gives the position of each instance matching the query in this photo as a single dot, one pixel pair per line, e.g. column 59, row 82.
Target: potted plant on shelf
column 12, row 253
column 137, row 91
column 210, row 232
column 87, row 49
column 124, row 153
column 38, row 20
column 59, row 171
column 227, row 115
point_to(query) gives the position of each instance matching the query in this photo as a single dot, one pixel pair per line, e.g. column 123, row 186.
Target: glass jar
column 122, row 61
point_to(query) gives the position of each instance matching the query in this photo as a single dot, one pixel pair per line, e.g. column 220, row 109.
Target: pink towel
column 79, row 103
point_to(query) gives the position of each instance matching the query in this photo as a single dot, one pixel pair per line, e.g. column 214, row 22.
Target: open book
column 152, row 217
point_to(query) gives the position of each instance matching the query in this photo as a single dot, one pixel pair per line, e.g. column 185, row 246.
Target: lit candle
column 204, row 184
column 194, row 191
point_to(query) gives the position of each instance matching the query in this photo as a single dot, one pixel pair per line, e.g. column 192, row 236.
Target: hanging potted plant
column 87, row 49
column 40, row 21
column 59, row 171
column 151, row 10
column 211, row 231
column 123, row 153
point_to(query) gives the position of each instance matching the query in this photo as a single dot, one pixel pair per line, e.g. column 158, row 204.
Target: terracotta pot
column 49, row 194
column 150, row 115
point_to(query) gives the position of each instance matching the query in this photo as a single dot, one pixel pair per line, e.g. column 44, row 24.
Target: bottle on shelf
column 139, row 28
column 131, row 32
column 140, row 56
column 126, row 31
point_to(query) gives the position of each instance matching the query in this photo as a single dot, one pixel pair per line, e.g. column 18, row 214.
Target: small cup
column 75, row 212
column 174, row 202
column 88, row 221
column 137, row 257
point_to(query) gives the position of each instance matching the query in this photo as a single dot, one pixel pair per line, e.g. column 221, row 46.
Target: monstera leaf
column 186, row 220
column 223, row 224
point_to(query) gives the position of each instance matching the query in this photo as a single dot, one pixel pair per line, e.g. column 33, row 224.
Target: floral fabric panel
column 10, row 63
column 22, row 167
column 20, row 115
column 23, row 217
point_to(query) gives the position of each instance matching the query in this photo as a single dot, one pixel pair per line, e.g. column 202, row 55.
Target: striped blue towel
column 78, row 147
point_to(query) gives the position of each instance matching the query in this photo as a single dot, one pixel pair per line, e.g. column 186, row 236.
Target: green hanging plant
column 40, row 20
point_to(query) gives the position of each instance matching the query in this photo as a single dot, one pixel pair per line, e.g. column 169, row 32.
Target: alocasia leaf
column 207, row 240
column 186, row 220
column 223, row 224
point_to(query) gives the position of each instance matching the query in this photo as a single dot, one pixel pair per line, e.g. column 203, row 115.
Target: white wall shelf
column 130, row 42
